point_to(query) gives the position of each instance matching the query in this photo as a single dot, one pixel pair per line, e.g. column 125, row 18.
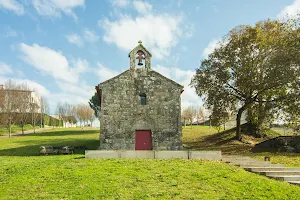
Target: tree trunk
column 33, row 124
column 22, row 128
column 9, row 130
column 238, row 122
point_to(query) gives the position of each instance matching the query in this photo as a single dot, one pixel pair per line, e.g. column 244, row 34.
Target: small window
column 143, row 99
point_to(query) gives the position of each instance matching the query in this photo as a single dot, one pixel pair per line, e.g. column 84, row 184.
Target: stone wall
column 122, row 113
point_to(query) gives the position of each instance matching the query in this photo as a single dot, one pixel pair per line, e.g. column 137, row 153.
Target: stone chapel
column 140, row 109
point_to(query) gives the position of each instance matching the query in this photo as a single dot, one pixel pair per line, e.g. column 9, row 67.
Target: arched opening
column 140, row 58
column 143, row 98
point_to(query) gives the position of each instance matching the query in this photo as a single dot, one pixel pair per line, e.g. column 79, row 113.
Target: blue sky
column 63, row 48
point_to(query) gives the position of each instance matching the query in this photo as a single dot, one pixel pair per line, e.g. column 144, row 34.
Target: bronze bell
column 140, row 57
column 140, row 62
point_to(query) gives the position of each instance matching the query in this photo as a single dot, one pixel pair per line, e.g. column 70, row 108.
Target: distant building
column 68, row 121
column 15, row 95
column 140, row 108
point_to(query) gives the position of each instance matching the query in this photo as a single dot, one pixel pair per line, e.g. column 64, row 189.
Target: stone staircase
column 266, row 168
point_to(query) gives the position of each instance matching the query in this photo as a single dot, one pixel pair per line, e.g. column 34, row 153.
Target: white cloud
column 35, row 87
column 158, row 32
column 142, row 7
column 211, row 47
column 52, row 62
column 5, row 69
column 12, row 5
column 54, row 8
column 75, row 39
column 290, row 10
column 105, row 73
column 81, row 90
column 90, row 36
column 72, row 93
column 120, row 3
column 183, row 77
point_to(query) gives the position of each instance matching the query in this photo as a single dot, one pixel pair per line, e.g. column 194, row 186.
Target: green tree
column 95, row 104
column 254, row 66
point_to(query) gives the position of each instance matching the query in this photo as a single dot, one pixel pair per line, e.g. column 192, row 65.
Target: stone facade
column 122, row 112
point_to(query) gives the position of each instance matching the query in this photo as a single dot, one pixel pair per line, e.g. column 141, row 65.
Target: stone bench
column 52, row 150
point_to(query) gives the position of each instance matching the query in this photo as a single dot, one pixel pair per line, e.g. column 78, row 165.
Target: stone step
column 279, row 173
column 266, row 169
column 250, row 162
column 294, row 182
column 235, row 156
column 286, row 177
column 231, row 159
column 235, row 161
column 260, row 166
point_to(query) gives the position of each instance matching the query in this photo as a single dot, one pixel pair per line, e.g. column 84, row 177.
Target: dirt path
column 26, row 132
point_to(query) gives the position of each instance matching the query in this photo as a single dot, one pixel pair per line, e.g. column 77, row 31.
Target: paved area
column 27, row 132
column 265, row 168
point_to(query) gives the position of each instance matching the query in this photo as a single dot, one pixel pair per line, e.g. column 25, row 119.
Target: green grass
column 73, row 177
column 205, row 138
column 288, row 159
column 16, row 129
column 28, row 145
column 25, row 175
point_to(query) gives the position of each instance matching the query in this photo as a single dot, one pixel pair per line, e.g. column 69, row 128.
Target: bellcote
column 140, row 56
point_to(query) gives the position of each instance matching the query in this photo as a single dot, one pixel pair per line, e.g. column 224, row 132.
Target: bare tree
column 24, row 105
column 10, row 105
column 85, row 114
column 44, row 110
column 202, row 113
column 62, row 112
column 90, row 115
column 79, row 113
column 67, row 113
column 187, row 115
column 35, row 108
column 71, row 113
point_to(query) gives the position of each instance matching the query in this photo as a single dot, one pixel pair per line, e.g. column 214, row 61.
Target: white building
column 19, row 97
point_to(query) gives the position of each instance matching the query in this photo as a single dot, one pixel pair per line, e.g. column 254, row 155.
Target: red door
column 143, row 140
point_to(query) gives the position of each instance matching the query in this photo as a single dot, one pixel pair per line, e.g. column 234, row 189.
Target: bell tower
column 140, row 56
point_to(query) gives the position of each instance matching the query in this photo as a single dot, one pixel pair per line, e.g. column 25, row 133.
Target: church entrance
column 143, row 140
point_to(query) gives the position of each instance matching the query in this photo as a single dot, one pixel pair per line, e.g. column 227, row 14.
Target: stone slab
column 157, row 154
column 101, row 154
column 137, row 154
column 205, row 155
column 171, row 154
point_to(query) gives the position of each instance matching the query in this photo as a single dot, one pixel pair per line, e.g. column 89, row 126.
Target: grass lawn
column 25, row 175
column 28, row 145
column 73, row 177
column 205, row 138
column 288, row 159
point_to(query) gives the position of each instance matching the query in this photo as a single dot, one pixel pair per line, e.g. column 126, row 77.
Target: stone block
column 205, row 155
column 171, row 154
column 101, row 154
column 137, row 154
